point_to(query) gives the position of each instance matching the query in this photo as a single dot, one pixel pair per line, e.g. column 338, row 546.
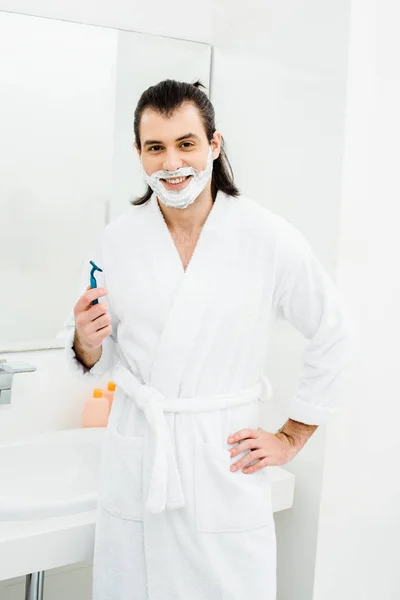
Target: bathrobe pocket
column 225, row 500
column 121, row 480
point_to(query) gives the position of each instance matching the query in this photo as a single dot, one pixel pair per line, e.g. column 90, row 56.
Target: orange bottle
column 109, row 392
column 96, row 410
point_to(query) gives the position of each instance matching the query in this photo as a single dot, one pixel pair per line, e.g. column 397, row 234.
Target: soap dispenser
column 96, row 410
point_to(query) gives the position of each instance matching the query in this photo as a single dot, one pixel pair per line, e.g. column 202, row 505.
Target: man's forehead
column 183, row 121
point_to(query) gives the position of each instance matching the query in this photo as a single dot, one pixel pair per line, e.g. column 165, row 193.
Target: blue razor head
column 95, row 267
column 93, row 282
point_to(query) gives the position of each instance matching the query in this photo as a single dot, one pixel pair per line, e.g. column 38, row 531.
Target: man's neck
column 192, row 218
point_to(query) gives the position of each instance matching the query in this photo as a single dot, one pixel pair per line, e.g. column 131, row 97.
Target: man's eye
column 154, row 148
column 188, row 144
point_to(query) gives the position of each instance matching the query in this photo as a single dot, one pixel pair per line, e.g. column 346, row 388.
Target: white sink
column 56, row 475
column 51, row 475
column 48, row 499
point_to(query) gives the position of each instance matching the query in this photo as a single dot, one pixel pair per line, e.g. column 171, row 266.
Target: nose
column 172, row 162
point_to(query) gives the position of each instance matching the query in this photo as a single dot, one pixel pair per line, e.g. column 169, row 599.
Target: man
column 195, row 274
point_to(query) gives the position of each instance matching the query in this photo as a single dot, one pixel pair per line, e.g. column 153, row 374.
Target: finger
column 97, row 338
column 97, row 310
column 98, row 324
column 102, row 333
column 241, row 435
column 260, row 465
column 94, row 294
column 248, row 444
column 85, row 317
column 87, row 298
column 243, row 462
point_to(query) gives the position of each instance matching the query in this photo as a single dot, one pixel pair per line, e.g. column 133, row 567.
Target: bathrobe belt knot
column 165, row 491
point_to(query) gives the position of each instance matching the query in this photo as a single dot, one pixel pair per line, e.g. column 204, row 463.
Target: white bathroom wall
column 279, row 90
column 359, row 532
column 190, row 21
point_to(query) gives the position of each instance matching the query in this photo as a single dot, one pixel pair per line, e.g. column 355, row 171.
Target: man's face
column 171, row 143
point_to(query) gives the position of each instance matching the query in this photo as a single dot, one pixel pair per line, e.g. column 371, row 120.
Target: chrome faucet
column 7, row 371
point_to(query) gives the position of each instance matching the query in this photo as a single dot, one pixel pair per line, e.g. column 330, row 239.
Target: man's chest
column 226, row 271
column 185, row 245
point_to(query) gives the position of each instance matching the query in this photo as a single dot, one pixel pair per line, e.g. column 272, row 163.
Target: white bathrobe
column 187, row 352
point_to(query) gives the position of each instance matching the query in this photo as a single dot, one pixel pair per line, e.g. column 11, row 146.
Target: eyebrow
column 183, row 137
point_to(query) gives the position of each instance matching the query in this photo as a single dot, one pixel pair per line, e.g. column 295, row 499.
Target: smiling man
column 195, row 275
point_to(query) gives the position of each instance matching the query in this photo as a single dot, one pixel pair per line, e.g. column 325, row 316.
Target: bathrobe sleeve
column 310, row 301
column 109, row 354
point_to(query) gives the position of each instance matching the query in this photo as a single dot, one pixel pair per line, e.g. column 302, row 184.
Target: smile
column 175, row 182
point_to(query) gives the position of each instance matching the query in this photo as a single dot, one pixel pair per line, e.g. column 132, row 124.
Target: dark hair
column 166, row 97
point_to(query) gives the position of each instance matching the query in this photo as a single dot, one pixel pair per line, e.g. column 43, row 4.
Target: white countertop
column 31, row 546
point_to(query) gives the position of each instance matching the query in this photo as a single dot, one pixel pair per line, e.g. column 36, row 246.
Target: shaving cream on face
column 180, row 198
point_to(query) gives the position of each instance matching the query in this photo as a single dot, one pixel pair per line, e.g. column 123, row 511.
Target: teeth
column 176, row 180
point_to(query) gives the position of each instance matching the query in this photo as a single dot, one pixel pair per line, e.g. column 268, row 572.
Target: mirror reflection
column 68, row 93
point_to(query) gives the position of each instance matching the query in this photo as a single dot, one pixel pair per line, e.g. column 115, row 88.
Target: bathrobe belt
column 165, row 491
